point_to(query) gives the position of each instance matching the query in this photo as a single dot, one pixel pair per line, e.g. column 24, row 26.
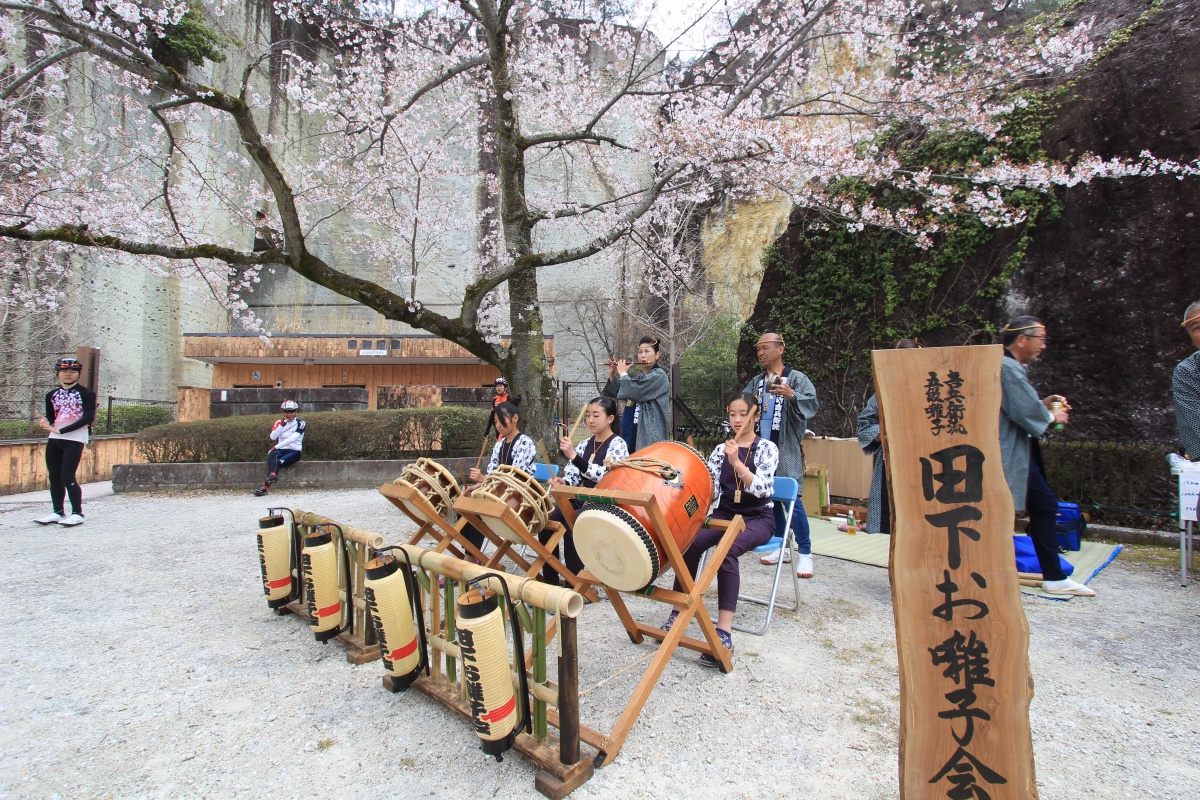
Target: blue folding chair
column 542, row 473
column 787, row 491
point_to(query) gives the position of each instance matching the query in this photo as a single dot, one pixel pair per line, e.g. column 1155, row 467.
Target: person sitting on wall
column 288, row 435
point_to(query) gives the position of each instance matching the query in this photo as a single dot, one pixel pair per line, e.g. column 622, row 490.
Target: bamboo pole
column 357, row 535
column 554, row 599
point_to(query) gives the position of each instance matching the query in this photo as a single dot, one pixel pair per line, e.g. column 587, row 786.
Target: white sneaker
column 1068, row 586
column 72, row 521
column 49, row 519
column 804, row 566
column 772, row 558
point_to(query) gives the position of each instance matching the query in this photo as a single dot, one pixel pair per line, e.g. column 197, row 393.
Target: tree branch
column 477, row 291
column 37, row 68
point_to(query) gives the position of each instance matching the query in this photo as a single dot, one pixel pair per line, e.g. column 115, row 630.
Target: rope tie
column 652, row 466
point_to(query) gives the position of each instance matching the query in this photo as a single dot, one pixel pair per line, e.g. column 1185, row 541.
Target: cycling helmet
column 289, row 405
column 501, row 382
column 68, row 363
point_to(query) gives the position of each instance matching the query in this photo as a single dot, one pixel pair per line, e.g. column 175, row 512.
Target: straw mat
column 872, row 549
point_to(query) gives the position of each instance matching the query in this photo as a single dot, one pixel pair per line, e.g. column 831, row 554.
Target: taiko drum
column 618, row 544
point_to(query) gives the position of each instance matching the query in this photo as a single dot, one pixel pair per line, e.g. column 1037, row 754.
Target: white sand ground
column 139, row 659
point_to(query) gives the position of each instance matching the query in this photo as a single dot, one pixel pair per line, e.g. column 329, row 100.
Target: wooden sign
column 961, row 633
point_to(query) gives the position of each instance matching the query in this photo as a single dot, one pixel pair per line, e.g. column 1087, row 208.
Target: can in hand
column 1056, row 405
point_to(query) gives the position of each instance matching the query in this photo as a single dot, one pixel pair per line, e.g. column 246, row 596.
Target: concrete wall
column 241, row 402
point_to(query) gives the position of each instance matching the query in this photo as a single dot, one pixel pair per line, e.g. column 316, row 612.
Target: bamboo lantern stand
column 478, row 510
column 691, row 599
column 361, row 645
column 448, row 537
column 441, row 578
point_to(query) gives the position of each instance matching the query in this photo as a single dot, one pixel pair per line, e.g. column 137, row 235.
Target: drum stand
column 691, row 599
column 448, row 537
column 479, row 512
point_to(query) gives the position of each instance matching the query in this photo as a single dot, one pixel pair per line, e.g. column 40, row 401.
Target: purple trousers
column 760, row 527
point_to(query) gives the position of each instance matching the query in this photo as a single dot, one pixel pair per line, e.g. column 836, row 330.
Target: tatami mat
column 866, row 548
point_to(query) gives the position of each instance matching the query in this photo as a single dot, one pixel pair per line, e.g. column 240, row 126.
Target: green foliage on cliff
column 189, row 41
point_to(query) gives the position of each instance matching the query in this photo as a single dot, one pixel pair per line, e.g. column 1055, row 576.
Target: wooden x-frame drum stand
column 691, row 599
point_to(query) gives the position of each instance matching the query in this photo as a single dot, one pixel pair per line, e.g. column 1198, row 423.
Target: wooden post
column 961, row 632
column 568, row 692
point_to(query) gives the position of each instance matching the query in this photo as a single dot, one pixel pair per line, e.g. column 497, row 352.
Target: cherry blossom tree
column 398, row 118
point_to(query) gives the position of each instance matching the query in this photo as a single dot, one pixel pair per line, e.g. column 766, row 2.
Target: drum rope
column 644, row 658
column 653, row 466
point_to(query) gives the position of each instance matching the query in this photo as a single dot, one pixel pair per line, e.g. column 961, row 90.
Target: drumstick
column 482, row 449
column 578, row 420
column 541, row 448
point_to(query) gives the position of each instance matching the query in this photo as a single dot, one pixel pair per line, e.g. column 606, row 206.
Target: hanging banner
column 961, row 633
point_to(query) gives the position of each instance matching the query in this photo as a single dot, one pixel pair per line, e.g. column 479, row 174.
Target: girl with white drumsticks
column 585, row 466
column 743, row 473
column 512, row 447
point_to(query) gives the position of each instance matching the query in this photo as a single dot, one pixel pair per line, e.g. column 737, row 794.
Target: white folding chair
column 786, row 492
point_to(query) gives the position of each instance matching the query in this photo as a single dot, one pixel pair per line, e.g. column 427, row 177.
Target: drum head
column 615, row 547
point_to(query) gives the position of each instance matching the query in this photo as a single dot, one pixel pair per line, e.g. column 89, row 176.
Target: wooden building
column 411, row 364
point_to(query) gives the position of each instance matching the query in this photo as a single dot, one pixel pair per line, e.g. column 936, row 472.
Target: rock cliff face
column 1112, row 275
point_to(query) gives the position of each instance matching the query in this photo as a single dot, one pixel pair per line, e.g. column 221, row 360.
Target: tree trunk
column 526, row 367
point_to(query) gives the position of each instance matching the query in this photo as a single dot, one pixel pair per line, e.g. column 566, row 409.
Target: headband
column 1007, row 329
column 1192, row 318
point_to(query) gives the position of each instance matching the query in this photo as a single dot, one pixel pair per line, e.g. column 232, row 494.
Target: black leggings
column 62, row 459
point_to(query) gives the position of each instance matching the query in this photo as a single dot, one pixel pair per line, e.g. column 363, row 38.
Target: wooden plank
column 961, row 632
column 850, row 471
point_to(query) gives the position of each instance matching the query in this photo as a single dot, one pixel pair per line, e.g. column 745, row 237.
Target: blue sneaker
column 666, row 626
column 726, row 640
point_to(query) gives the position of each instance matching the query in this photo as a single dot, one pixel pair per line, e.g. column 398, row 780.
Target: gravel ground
column 140, row 660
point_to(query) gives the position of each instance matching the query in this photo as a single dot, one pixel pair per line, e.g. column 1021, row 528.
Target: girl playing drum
column 512, row 447
column 743, row 473
column 585, row 466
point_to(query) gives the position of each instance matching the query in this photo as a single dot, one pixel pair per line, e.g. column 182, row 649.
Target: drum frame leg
column 691, row 599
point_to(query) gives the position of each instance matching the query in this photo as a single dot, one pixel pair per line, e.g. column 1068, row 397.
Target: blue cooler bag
column 1027, row 558
column 1071, row 525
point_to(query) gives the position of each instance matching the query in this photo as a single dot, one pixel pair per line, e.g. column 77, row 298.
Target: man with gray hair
column 1185, row 387
column 787, row 401
column 1023, row 418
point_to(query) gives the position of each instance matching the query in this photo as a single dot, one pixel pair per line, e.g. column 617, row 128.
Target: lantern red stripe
column 500, row 713
column 403, row 652
column 279, row 584
column 329, row 610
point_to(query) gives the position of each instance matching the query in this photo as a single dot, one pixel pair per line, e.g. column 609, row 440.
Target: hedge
column 125, row 419
column 131, row 419
column 331, row 436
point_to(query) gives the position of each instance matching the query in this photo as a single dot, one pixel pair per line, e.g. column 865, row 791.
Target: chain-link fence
column 23, row 389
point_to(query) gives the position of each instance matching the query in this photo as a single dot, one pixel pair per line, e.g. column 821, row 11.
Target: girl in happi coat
column 585, row 466
column 650, row 391
column 743, row 474
column 512, row 447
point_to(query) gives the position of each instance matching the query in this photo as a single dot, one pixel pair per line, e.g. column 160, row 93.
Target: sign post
column 961, row 634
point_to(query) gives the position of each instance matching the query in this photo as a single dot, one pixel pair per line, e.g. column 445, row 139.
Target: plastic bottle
column 1055, row 405
column 851, row 525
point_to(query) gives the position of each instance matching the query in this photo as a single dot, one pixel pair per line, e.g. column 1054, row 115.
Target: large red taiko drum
column 618, row 544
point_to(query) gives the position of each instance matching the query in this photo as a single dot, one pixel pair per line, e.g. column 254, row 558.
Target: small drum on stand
column 521, row 492
column 617, row 543
column 433, row 482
